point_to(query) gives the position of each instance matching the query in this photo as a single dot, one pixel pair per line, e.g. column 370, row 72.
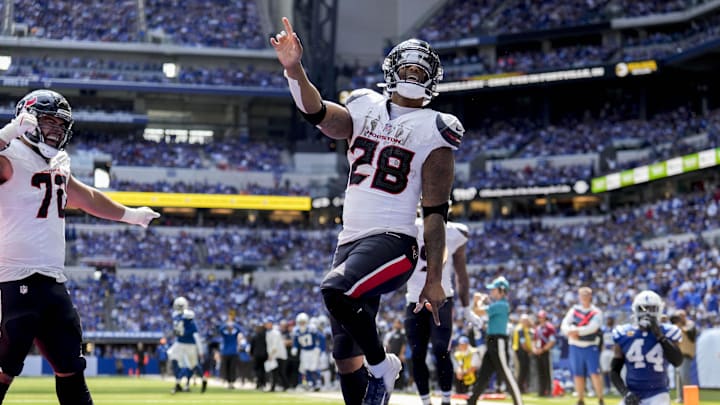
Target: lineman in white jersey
column 397, row 151
column 420, row 327
column 35, row 188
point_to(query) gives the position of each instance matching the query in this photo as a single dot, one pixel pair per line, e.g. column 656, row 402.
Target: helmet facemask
column 646, row 307
column 52, row 135
column 54, row 121
column 419, row 54
column 644, row 315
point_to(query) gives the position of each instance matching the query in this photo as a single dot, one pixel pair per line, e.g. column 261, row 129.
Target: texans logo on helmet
column 30, row 102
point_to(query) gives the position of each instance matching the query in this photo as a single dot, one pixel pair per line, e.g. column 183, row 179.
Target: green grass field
column 128, row 390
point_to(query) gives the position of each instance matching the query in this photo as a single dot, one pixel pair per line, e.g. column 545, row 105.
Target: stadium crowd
column 49, row 67
column 227, row 24
column 664, row 134
column 463, row 19
column 600, row 254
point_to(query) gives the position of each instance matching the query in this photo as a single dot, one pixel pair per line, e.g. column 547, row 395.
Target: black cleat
column 203, row 388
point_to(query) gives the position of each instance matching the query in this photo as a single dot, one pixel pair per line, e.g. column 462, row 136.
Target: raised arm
column 331, row 118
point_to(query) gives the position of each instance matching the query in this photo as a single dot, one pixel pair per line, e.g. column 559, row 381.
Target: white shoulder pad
column 450, row 129
column 455, row 237
column 189, row 314
column 360, row 93
column 60, row 160
column 460, row 227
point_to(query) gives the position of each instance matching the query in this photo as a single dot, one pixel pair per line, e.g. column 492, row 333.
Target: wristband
column 315, row 118
column 8, row 133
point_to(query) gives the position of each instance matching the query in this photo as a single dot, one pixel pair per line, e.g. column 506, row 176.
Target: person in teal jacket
column 495, row 359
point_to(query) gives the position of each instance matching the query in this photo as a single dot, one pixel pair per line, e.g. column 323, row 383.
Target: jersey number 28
column 393, row 165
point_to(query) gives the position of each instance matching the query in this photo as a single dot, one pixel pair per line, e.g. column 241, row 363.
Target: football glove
column 139, row 216
column 23, row 123
column 655, row 329
column 631, row 399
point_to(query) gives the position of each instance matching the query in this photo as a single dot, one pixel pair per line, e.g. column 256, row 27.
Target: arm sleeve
column 615, row 367
column 671, row 351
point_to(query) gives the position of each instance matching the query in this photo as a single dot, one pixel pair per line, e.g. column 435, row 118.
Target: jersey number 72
column 47, row 180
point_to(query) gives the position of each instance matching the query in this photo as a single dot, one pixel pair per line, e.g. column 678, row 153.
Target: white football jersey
column 454, row 239
column 386, row 158
column 32, row 214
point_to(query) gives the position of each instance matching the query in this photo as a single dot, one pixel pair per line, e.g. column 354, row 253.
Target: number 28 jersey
column 645, row 365
column 32, row 214
column 386, row 158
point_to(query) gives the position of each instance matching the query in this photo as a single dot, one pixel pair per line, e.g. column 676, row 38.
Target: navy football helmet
column 51, row 136
column 412, row 52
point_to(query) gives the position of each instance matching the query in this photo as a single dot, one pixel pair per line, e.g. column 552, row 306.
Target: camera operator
column 687, row 347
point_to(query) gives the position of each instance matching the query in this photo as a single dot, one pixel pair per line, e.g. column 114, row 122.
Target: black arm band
column 315, row 118
column 615, row 367
column 441, row 209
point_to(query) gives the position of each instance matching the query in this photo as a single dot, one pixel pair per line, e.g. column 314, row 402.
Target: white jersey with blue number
column 645, row 364
column 455, row 237
column 32, row 214
column 386, row 158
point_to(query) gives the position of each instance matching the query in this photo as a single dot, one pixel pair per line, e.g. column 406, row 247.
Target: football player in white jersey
column 644, row 347
column 420, row 327
column 397, row 152
column 36, row 186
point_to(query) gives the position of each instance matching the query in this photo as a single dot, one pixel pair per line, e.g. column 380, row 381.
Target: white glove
column 293, row 351
column 139, row 216
column 23, row 123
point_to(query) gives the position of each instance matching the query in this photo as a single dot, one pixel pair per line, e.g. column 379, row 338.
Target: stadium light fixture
column 5, row 62
column 170, row 70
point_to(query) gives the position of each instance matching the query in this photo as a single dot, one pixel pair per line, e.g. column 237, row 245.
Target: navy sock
column 73, row 390
column 353, row 386
column 3, row 390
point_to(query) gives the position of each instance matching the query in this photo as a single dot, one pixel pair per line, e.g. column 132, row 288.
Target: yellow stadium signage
column 232, row 201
